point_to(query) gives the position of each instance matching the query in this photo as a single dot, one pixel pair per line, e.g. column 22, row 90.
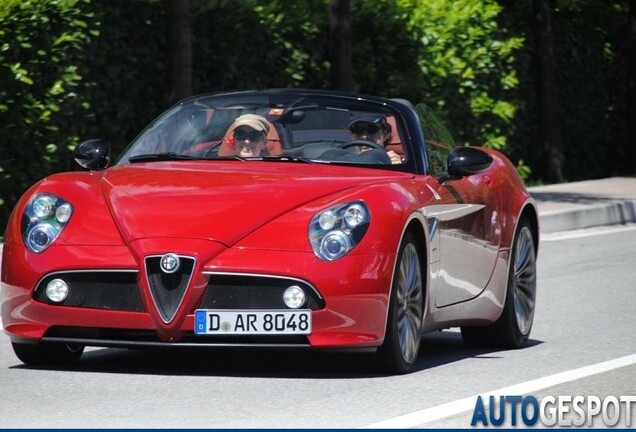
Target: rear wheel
column 47, row 354
column 512, row 329
column 404, row 321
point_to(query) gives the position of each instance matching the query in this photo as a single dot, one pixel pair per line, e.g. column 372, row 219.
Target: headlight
column 335, row 231
column 44, row 218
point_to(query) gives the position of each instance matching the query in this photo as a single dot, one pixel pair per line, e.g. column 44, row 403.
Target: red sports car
column 278, row 218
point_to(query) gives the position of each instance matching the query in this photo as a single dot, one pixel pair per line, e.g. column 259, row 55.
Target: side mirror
column 465, row 161
column 93, row 154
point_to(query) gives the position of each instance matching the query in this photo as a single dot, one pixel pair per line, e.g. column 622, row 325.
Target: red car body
column 245, row 222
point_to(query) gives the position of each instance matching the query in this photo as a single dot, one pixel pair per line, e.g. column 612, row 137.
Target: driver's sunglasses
column 240, row 135
column 369, row 129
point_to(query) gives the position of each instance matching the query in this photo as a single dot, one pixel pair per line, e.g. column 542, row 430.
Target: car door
column 464, row 232
column 464, row 225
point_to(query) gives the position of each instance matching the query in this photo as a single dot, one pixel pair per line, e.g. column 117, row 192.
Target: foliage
column 126, row 65
column 41, row 45
column 438, row 139
column 72, row 70
column 299, row 32
column 252, row 44
column 589, row 39
column 466, row 60
column 384, row 52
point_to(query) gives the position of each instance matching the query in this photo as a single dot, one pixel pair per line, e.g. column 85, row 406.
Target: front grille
column 168, row 289
column 254, row 292
column 96, row 289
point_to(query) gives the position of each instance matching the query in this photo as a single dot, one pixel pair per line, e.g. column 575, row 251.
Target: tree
column 179, row 61
column 43, row 94
column 341, row 77
column 629, row 146
column 467, row 62
column 548, row 97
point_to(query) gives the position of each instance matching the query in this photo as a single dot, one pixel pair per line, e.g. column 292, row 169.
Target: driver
column 250, row 135
column 375, row 129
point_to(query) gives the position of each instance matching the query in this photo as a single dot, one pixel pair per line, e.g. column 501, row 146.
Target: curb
column 585, row 204
column 588, row 216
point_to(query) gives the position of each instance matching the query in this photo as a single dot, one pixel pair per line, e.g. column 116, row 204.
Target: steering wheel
column 361, row 142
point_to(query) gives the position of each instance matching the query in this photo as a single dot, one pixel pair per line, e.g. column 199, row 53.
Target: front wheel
column 404, row 321
column 512, row 329
column 47, row 354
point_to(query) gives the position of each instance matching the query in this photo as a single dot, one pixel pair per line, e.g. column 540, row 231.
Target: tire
column 512, row 329
column 47, row 354
column 400, row 349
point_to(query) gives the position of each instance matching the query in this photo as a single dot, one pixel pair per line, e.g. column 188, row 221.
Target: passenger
column 250, row 135
column 375, row 129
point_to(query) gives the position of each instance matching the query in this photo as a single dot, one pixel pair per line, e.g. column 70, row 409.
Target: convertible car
column 351, row 223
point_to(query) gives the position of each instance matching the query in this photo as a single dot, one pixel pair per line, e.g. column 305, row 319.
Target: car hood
column 223, row 201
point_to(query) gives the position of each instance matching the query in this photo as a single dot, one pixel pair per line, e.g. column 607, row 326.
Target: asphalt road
column 585, row 318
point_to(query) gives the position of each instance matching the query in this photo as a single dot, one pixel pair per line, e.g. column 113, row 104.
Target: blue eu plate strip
column 199, row 322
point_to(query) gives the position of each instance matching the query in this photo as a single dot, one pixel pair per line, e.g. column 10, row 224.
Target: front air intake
column 168, row 286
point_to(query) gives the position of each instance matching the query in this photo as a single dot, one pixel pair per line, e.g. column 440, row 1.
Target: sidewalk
column 586, row 204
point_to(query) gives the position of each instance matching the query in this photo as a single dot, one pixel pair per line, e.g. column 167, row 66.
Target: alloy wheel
column 409, row 303
column 524, row 280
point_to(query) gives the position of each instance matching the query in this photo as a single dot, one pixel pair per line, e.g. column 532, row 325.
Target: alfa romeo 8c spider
column 274, row 218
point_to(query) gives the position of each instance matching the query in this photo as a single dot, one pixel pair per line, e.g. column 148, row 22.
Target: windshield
column 252, row 126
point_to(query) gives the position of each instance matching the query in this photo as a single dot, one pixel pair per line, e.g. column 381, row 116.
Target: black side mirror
column 465, row 161
column 93, row 154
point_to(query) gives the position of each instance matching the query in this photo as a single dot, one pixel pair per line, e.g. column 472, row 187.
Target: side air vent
column 249, row 291
column 115, row 290
column 168, row 283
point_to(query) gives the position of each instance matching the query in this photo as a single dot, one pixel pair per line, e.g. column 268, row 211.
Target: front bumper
column 349, row 309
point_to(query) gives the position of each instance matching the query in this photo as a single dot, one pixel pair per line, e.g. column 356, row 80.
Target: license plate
column 252, row 322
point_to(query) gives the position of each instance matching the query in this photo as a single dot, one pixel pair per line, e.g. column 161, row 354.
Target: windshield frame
column 295, row 106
